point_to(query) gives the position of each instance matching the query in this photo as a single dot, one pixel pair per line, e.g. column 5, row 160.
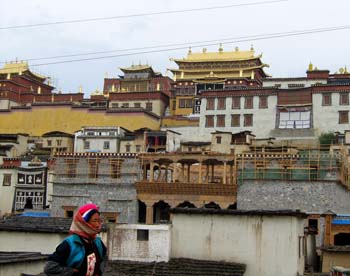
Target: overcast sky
column 287, row 56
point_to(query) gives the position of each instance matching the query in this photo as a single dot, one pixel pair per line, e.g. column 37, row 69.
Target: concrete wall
column 15, row 269
column 124, row 245
column 262, row 243
column 314, row 197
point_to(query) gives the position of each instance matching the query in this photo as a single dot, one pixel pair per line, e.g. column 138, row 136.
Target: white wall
column 45, row 243
column 123, row 243
column 7, row 193
column 263, row 118
column 326, row 118
column 267, row 245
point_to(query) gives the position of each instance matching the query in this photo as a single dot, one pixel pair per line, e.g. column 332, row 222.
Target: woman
column 82, row 253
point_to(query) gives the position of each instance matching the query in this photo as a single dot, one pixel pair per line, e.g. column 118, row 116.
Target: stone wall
column 315, row 197
column 111, row 194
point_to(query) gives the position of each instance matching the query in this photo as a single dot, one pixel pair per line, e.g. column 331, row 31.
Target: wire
column 136, row 15
column 193, row 43
column 205, row 43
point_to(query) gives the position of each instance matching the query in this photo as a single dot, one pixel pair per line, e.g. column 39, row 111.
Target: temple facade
column 139, row 88
column 212, row 71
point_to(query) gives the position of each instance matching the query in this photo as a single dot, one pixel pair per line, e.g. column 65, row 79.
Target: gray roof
column 175, row 267
column 36, row 224
column 16, row 257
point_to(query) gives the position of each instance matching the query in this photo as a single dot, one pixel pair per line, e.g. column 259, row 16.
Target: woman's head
column 87, row 221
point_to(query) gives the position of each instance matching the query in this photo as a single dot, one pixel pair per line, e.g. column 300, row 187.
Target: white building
column 98, row 139
column 268, row 242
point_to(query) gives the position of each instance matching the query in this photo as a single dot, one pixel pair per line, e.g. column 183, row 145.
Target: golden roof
column 136, row 68
column 236, row 55
column 18, row 68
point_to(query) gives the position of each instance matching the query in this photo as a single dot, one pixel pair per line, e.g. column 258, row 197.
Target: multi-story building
column 212, row 71
column 139, row 88
column 106, row 179
column 57, row 141
column 99, row 139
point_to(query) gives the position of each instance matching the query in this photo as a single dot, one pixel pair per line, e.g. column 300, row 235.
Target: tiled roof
column 175, row 267
column 206, row 211
column 15, row 257
column 36, row 224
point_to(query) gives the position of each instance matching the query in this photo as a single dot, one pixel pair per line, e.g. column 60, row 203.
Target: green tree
column 326, row 139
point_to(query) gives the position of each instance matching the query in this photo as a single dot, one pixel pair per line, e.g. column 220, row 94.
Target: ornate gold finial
column 189, row 50
column 204, row 50
column 236, row 49
column 220, row 48
column 80, row 89
column 251, row 47
column 311, row 66
column 341, row 70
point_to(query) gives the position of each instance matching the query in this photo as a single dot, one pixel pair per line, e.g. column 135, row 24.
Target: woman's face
column 95, row 221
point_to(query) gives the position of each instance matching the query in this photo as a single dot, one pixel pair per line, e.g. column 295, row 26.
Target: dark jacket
column 72, row 253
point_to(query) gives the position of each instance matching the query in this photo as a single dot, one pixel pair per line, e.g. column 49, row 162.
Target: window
column 189, row 103
column 174, row 105
column 222, row 103
column 295, row 119
column 182, row 103
column 220, row 120
column 327, row 99
column 248, row 119
column 137, row 105
column 210, row 104
column 218, row 139
column 149, row 106
column 7, row 179
column 138, row 148
column 235, row 120
column 115, row 105
column 236, row 102
column 127, row 148
column 125, row 105
column 86, row 145
column 59, row 142
column 106, row 145
column 343, row 117
column 209, row 121
column 142, row 235
column 263, row 102
column 115, row 168
column 344, row 99
column 49, row 143
column 248, row 102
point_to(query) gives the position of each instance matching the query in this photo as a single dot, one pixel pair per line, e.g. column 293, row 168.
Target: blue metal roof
column 35, row 214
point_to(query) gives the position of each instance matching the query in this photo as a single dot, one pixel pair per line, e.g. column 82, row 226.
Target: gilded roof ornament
column 204, row 50
column 251, row 47
column 311, row 66
column 189, row 50
column 236, row 49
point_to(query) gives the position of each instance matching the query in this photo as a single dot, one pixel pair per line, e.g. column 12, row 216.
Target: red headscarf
column 80, row 225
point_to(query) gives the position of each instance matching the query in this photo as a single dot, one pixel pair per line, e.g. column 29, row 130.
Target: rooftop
column 15, row 257
column 270, row 213
column 175, row 267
